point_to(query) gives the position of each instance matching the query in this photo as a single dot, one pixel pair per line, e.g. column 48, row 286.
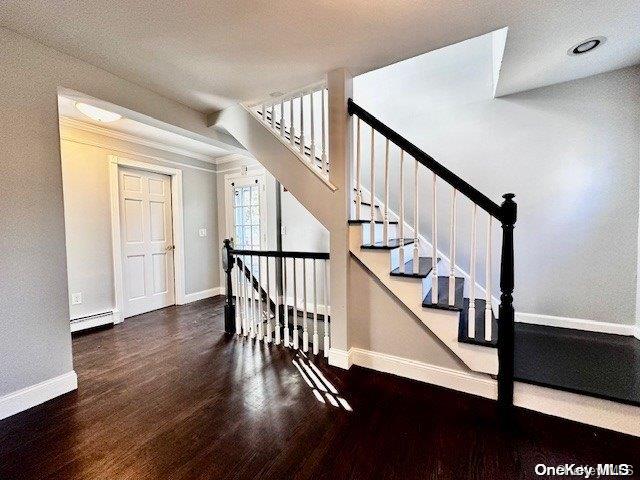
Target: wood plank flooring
column 167, row 395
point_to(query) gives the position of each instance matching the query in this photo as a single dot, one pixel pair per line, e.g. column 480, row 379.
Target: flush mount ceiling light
column 586, row 46
column 97, row 114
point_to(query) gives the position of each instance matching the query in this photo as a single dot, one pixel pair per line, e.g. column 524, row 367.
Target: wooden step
column 478, row 339
column 394, row 243
column 443, row 295
column 407, row 271
column 367, row 222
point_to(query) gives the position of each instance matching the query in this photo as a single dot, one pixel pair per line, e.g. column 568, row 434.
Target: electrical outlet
column 76, row 298
column 202, row 232
column 283, row 230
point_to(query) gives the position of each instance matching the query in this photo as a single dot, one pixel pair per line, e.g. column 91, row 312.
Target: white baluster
column 358, row 172
column 326, row 308
column 313, row 131
column 282, row 117
column 245, row 296
column 252, row 329
column 402, row 260
column 452, row 250
column 416, row 222
column 372, row 197
column 292, row 130
column 302, row 139
column 305, row 332
column 295, row 308
column 260, row 306
column 238, row 298
column 385, row 220
column 434, row 242
column 471, row 320
column 325, row 161
column 285, row 306
column 273, row 116
column 268, row 309
column 316, row 345
column 487, row 310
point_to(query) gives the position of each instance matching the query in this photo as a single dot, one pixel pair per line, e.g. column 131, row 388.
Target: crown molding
column 107, row 132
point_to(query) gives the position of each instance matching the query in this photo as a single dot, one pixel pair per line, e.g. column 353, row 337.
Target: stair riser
column 365, row 213
column 379, row 232
column 394, row 256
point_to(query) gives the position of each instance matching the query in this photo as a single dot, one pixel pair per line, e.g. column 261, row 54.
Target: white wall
column 569, row 152
column 85, row 174
column 34, row 309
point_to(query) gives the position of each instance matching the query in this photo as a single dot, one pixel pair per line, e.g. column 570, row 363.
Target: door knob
column 171, row 247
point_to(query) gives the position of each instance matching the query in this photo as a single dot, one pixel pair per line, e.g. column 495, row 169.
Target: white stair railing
column 297, row 316
column 299, row 118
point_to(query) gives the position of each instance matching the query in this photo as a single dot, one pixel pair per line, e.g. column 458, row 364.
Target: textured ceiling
column 207, row 53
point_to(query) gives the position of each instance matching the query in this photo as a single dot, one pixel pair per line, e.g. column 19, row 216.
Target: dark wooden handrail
column 428, row 161
column 277, row 254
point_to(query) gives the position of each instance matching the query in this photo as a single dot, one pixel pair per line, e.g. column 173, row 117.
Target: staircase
column 455, row 303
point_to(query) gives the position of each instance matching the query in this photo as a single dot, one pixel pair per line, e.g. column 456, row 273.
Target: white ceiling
column 206, row 52
column 154, row 136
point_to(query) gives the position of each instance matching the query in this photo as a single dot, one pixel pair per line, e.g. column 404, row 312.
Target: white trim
column 91, row 321
column 468, row 382
column 340, row 358
column 106, row 146
column 178, row 226
column 579, row 408
column 211, row 292
column 575, row 323
column 33, row 395
column 126, row 137
column 637, row 332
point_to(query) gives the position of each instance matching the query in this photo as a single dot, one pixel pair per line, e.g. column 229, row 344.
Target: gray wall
column 34, row 310
column 570, row 153
column 85, row 172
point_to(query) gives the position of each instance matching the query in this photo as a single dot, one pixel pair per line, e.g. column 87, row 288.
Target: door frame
column 264, row 216
column 177, row 225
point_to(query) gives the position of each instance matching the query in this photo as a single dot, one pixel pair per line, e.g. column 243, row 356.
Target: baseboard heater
column 91, row 321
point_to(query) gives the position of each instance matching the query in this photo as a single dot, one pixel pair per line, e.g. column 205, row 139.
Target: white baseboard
column 637, row 332
column 469, row 382
column 340, row 358
column 28, row 397
column 211, row 292
column 106, row 318
column 575, row 323
column 598, row 412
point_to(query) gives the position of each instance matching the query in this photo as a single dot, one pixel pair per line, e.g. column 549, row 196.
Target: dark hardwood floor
column 167, row 395
column 597, row 364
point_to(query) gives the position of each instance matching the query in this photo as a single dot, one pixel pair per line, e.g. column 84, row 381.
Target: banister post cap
column 509, row 209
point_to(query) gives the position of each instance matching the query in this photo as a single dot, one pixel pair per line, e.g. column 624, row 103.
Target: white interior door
column 147, row 241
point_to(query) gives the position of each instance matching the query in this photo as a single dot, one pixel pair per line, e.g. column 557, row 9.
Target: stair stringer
column 443, row 324
column 295, row 174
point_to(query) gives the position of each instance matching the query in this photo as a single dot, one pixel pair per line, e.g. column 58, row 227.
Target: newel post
column 229, row 306
column 506, row 313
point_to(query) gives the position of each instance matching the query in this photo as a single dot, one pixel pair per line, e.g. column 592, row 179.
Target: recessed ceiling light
column 586, row 46
column 97, row 114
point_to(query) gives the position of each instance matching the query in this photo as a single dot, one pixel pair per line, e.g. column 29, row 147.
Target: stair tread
column 443, row 295
column 366, row 204
column 364, row 222
column 423, row 269
column 393, row 243
column 478, row 339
